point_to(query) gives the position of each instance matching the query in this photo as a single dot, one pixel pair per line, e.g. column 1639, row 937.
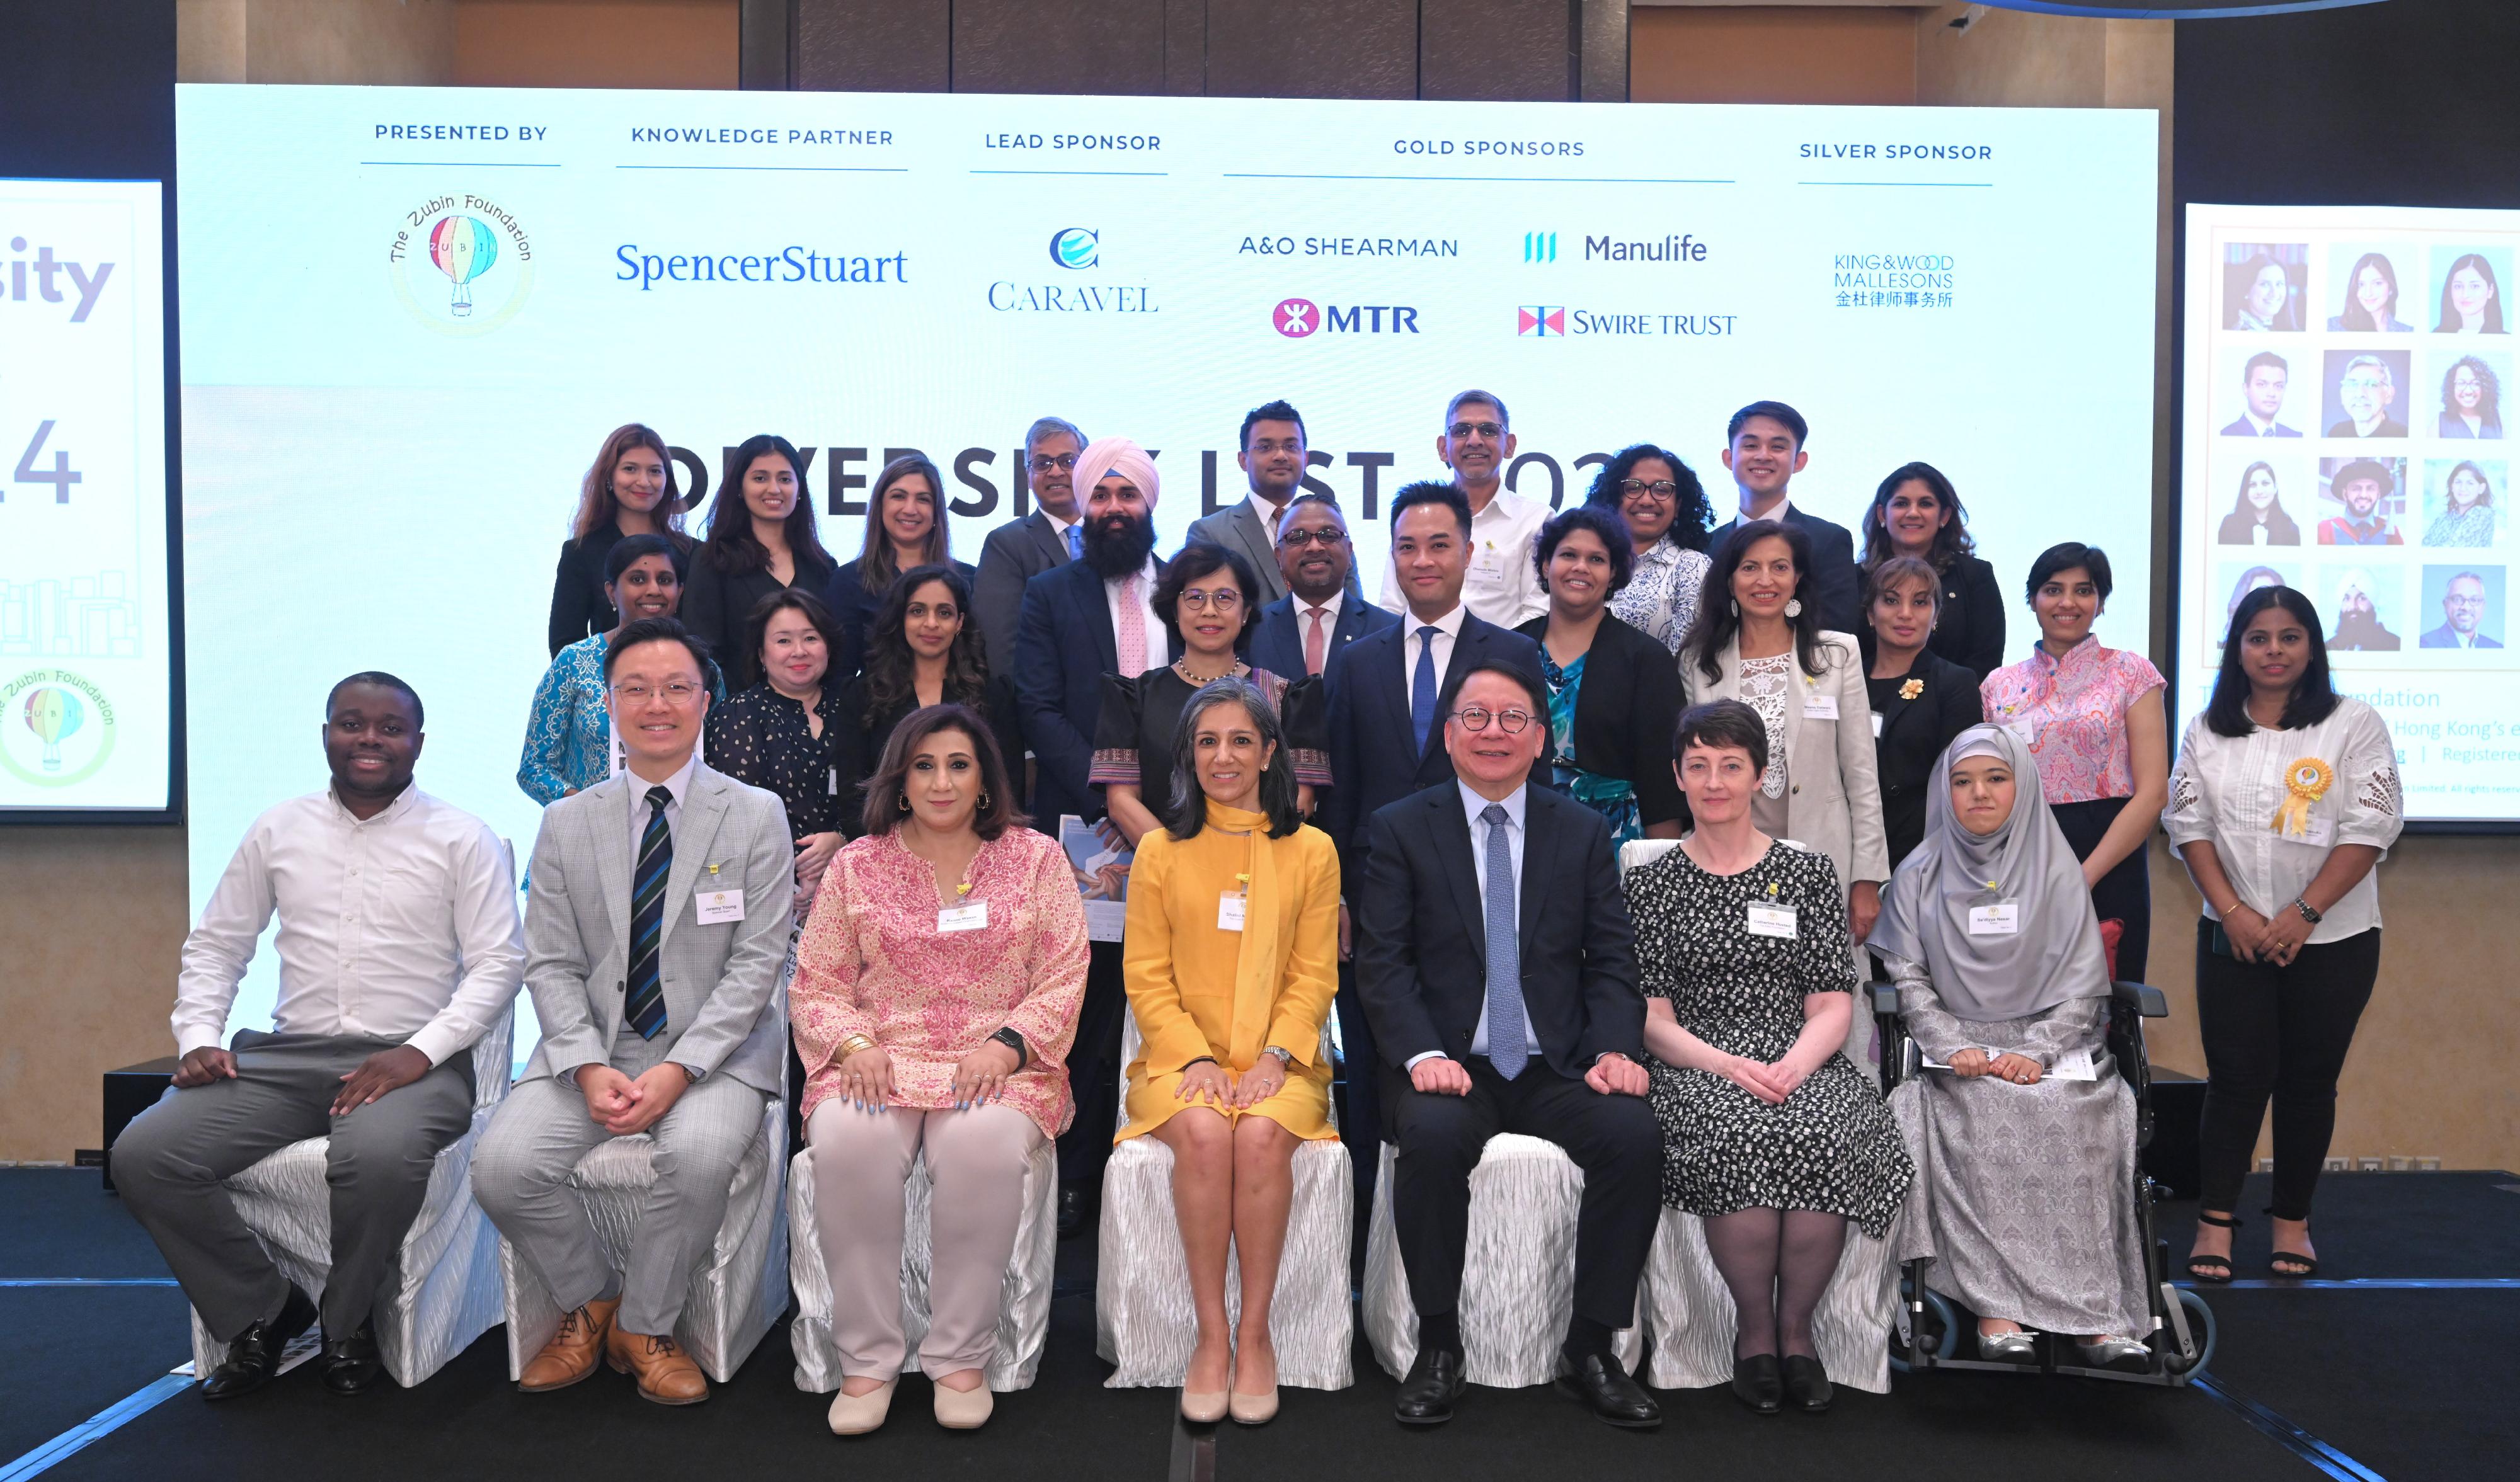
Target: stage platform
column 2397, row 1364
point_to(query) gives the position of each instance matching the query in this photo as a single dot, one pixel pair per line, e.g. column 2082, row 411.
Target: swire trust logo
column 1543, row 321
column 1075, row 247
column 1540, row 246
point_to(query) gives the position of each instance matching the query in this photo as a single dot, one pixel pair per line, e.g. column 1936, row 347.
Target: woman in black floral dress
column 1770, row 1133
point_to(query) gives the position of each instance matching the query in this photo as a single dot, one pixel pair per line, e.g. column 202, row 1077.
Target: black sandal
column 2212, row 1270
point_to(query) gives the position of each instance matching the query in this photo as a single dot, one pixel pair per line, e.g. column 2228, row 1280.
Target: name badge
column 1876, row 725
column 969, row 918
column 2000, row 919
column 1770, row 921
column 1820, row 707
column 1229, row 912
column 2317, row 833
column 2021, row 727
column 833, row 790
column 1487, row 562
column 717, row 907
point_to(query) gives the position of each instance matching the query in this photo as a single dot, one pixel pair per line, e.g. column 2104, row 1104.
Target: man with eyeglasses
column 1500, row 585
column 1273, row 459
column 1497, row 965
column 1017, row 551
column 2365, row 392
column 2463, row 612
column 657, row 921
column 1322, row 612
column 1762, row 449
column 398, row 949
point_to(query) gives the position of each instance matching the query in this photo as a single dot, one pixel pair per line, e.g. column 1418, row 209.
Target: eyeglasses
column 1042, row 463
column 1222, row 600
column 1661, row 488
column 1323, row 538
column 676, row 694
column 1487, row 429
column 1476, row 718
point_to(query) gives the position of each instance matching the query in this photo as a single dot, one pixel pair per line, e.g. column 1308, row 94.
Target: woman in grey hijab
column 2026, row 1161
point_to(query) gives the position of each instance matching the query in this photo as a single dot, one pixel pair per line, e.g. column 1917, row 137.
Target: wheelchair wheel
column 2200, row 1326
column 1937, row 1330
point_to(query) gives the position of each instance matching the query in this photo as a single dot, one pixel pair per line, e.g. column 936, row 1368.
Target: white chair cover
column 1023, row 1313
column 1142, row 1319
column 446, row 1293
column 1518, row 1269
column 735, row 1295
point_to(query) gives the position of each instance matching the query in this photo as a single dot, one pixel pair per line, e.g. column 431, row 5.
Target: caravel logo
column 1075, row 247
column 1544, row 320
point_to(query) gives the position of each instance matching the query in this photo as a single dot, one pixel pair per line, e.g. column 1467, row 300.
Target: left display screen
column 86, row 645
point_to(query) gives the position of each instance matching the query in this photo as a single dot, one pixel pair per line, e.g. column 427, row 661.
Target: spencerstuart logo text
column 795, row 264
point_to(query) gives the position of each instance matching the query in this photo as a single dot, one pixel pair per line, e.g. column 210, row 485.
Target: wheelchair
column 1929, row 1327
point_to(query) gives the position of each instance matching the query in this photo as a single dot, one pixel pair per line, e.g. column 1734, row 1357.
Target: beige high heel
column 1253, row 1410
column 1209, row 1406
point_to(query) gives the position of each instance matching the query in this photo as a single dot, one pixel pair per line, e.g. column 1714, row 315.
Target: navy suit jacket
column 2241, row 427
column 1064, row 646
column 1373, row 762
column 1422, row 933
column 1278, row 643
column 1833, row 582
column 2443, row 637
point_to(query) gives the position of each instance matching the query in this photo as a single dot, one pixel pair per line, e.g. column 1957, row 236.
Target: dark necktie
column 1421, row 690
column 644, row 998
column 1507, row 1050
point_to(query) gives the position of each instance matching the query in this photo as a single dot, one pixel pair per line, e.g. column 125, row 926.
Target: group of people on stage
column 1579, row 834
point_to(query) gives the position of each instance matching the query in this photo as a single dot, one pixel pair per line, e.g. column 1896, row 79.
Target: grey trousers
column 520, row 1174
column 169, row 1164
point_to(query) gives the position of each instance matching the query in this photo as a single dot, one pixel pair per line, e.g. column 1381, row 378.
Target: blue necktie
column 1507, row 1050
column 1075, row 541
column 1421, row 689
column 644, row 997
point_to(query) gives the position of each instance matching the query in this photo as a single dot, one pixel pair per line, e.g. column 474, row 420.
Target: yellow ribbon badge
column 2306, row 781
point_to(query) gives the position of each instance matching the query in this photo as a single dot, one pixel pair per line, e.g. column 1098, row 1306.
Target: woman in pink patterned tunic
column 937, row 984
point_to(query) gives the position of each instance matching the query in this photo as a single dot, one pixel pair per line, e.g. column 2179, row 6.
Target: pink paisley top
column 2072, row 711
column 872, row 961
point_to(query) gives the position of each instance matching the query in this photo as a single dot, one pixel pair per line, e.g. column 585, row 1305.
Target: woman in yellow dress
column 1231, row 958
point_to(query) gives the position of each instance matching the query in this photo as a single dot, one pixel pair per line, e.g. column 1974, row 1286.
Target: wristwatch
column 1014, row 1042
column 2307, row 915
column 1285, row 1058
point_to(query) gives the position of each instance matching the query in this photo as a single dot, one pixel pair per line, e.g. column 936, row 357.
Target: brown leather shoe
column 573, row 1351
column 665, row 1374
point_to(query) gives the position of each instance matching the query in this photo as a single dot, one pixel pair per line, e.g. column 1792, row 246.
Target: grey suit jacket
column 1240, row 528
column 1015, row 552
column 722, row 1013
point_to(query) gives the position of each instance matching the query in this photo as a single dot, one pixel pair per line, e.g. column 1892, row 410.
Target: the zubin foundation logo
column 460, row 264
column 56, row 726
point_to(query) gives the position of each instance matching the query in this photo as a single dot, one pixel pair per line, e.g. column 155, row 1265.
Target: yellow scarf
column 1259, row 969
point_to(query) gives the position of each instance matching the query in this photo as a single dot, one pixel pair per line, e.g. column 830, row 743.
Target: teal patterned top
column 1614, row 798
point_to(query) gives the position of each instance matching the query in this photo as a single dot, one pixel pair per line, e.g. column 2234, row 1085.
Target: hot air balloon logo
column 53, row 715
column 462, row 247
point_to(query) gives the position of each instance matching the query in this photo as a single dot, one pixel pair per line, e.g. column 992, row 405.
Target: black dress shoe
column 350, row 1365
column 1759, row 1384
column 254, row 1357
column 1071, row 1211
column 1615, row 1397
column 1806, row 1383
column 1434, row 1383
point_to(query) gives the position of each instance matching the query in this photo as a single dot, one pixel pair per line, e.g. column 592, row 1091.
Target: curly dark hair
column 891, row 669
column 1606, row 524
column 1691, row 516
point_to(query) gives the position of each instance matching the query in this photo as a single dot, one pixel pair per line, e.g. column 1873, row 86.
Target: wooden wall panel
column 1312, row 49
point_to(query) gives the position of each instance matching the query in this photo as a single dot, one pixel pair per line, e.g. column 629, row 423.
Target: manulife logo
column 1540, row 246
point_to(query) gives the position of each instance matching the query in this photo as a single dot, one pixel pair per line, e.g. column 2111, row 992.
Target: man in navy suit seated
column 1322, row 612
column 1386, row 740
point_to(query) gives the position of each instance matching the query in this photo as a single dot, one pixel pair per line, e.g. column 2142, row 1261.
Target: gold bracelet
column 855, row 1043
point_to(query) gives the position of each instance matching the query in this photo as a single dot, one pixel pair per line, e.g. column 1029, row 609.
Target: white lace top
column 1766, row 685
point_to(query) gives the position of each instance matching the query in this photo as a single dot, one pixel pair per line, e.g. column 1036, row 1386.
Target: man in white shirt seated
column 400, row 947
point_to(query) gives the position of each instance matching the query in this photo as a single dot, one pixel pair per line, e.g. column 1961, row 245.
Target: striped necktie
column 643, row 996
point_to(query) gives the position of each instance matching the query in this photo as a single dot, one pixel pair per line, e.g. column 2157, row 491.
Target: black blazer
column 1372, row 763
column 1969, row 629
column 1625, row 713
column 1914, row 736
column 715, row 606
column 1013, row 553
column 1278, row 643
column 1422, row 933
column 1833, row 581
column 1064, row 646
column 578, row 607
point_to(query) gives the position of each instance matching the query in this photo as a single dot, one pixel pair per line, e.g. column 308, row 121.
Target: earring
column 1735, row 605
column 1793, row 606
column 984, row 802
column 903, row 798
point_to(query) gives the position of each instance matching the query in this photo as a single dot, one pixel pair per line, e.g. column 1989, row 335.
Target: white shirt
column 1502, row 588
column 1268, row 514
column 1473, row 805
column 2228, row 790
column 1743, row 517
column 1448, row 631
column 1158, row 640
column 678, row 785
column 403, row 926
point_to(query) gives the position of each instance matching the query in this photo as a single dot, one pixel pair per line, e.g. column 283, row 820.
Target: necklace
column 1180, row 666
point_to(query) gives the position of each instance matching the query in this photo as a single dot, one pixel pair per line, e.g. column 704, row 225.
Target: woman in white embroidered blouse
column 2285, row 797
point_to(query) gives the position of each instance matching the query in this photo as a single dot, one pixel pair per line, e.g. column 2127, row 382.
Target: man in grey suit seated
column 655, row 925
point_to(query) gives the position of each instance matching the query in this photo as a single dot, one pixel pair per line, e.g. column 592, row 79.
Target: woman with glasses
column 569, row 734
column 1206, row 597
column 2471, row 400
column 1666, row 512
column 1612, row 691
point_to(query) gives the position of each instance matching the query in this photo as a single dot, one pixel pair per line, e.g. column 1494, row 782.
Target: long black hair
column 892, row 671
column 1951, row 538
column 2313, row 695
column 2451, row 317
column 1719, row 618
column 732, row 547
column 1277, row 780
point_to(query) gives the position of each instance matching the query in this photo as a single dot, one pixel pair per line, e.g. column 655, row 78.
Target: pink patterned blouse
column 872, row 961
column 2072, row 711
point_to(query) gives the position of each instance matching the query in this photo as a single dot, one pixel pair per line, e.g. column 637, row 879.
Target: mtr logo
column 1302, row 318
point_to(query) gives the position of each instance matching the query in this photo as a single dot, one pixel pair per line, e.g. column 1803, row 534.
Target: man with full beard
column 1093, row 616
